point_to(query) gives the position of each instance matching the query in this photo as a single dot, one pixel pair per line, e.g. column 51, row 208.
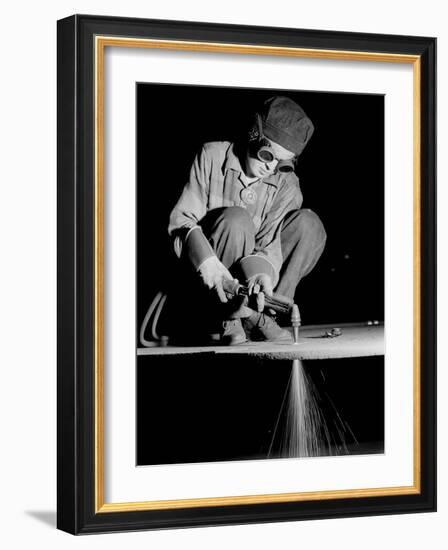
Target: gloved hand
column 212, row 272
column 259, row 285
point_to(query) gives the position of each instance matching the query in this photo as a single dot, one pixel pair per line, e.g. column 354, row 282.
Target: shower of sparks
column 303, row 429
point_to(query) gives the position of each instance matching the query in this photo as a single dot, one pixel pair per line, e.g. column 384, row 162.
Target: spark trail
column 304, row 427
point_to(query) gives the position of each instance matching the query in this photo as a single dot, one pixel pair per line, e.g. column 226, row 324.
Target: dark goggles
column 266, row 155
column 262, row 150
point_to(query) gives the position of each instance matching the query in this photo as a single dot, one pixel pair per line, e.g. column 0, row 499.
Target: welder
column 240, row 217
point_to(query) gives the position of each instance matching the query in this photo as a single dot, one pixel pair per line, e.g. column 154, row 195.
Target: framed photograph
column 246, row 274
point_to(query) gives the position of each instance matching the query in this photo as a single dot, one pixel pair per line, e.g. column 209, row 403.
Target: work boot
column 232, row 333
column 261, row 327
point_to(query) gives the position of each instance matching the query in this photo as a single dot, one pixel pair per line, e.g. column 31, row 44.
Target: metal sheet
column 355, row 341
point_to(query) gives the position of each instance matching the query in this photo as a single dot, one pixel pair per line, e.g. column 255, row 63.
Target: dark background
column 341, row 174
column 204, row 408
column 193, row 410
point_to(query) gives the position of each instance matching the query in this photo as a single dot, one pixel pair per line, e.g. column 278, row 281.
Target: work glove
column 260, row 285
column 213, row 273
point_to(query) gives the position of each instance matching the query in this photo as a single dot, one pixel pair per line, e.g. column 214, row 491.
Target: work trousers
column 232, row 233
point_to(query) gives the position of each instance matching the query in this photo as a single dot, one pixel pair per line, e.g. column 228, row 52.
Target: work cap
column 284, row 122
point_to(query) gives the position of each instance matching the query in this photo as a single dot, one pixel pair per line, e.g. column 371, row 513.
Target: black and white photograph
column 260, row 274
column 245, row 268
column 223, row 267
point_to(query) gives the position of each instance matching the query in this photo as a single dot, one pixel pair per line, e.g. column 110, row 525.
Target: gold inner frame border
column 100, row 44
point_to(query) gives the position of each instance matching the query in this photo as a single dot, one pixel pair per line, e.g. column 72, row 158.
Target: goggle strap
column 260, row 127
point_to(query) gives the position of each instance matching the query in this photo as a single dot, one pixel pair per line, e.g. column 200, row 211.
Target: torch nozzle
column 295, row 322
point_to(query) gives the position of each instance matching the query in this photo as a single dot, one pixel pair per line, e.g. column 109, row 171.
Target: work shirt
column 216, row 181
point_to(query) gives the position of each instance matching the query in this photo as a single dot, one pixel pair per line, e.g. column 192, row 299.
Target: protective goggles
column 262, row 150
column 265, row 154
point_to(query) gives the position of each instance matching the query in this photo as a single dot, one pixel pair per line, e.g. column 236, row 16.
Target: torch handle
column 277, row 302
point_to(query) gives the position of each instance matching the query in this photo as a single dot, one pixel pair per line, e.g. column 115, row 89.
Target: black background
column 341, row 174
column 204, row 408
column 191, row 409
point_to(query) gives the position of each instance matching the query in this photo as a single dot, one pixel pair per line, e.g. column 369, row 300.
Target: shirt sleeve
column 268, row 237
column 190, row 209
column 192, row 204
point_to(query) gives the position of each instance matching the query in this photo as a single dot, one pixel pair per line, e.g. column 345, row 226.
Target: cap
column 286, row 123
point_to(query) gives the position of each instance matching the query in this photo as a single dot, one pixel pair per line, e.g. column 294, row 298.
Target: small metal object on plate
column 333, row 333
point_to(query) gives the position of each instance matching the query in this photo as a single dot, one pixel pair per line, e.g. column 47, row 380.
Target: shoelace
column 262, row 320
column 265, row 319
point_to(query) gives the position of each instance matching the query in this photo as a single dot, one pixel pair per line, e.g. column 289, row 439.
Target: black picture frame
column 79, row 508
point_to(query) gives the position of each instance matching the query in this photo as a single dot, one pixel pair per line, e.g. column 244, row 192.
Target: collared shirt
column 217, row 179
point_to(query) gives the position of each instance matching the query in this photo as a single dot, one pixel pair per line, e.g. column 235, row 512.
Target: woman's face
column 255, row 168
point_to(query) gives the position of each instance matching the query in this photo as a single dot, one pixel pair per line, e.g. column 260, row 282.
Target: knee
column 307, row 221
column 236, row 218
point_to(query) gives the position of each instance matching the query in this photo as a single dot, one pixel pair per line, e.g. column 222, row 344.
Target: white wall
column 28, row 274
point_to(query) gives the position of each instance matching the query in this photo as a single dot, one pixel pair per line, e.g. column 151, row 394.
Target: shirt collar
column 232, row 162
